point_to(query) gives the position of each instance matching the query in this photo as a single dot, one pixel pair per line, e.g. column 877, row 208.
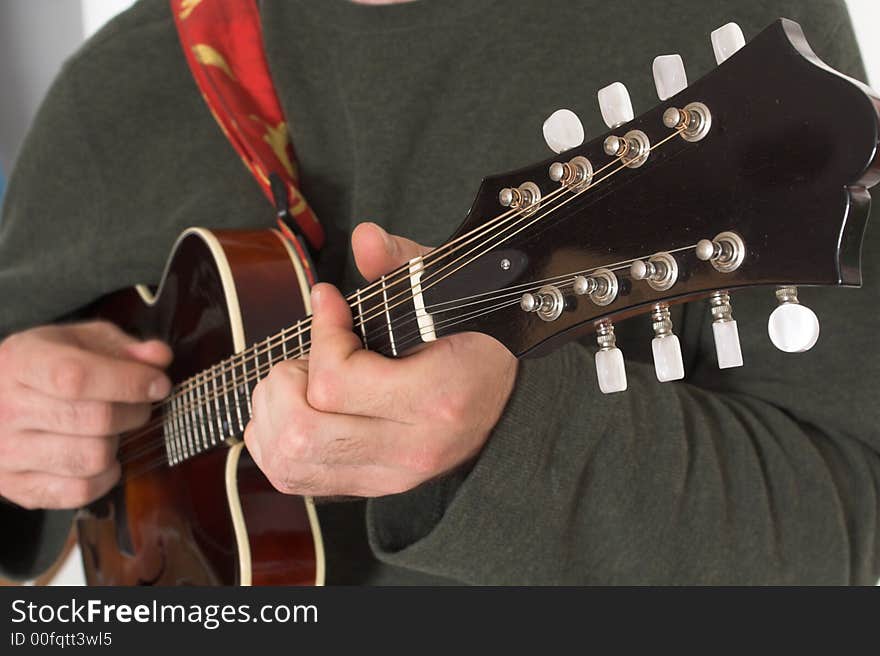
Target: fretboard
column 214, row 406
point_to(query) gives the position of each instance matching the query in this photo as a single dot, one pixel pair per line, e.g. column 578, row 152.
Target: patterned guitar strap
column 223, row 44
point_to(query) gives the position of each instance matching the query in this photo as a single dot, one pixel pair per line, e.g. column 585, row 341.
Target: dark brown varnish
column 172, row 526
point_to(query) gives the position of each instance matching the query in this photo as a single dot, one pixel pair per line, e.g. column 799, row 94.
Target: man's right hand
column 66, row 392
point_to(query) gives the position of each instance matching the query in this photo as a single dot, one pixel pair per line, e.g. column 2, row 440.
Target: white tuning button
column 727, row 346
column 669, row 76
column 793, row 328
column 727, row 40
column 615, row 105
column 668, row 363
column 563, row 131
column 610, row 370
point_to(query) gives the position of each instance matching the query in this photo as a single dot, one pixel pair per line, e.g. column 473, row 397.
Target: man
column 477, row 470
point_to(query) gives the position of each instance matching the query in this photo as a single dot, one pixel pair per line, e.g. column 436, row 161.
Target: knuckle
column 452, row 409
column 96, row 458
column 295, row 443
column 97, row 418
column 68, row 377
column 76, row 492
column 323, row 391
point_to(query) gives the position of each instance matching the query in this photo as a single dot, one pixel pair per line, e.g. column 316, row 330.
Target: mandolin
column 766, row 161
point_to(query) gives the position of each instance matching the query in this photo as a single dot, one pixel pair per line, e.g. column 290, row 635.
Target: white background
column 37, row 35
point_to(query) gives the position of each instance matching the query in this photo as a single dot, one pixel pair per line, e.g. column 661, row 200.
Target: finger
column 152, row 351
column 40, row 490
column 376, row 252
column 107, row 338
column 303, row 434
column 60, row 455
column 39, row 412
column 332, row 338
column 72, row 373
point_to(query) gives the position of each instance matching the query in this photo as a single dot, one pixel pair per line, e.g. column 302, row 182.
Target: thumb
column 151, row 351
column 105, row 337
column 376, row 252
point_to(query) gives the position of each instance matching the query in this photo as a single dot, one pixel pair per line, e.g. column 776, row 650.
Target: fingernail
column 159, row 389
column 316, row 296
column 390, row 243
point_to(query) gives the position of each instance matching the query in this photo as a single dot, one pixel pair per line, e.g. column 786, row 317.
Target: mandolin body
column 215, row 519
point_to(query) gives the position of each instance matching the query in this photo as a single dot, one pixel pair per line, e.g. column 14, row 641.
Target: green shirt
column 765, row 474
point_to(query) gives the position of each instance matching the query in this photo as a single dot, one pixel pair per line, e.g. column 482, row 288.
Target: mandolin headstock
column 754, row 175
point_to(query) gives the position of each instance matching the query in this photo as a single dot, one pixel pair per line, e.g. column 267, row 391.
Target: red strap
column 223, row 43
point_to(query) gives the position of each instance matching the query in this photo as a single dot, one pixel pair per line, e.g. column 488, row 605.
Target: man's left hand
column 347, row 421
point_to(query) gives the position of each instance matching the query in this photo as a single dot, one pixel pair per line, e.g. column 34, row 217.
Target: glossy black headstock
column 786, row 165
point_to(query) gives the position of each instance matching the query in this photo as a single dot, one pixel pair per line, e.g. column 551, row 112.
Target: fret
column 198, row 419
column 249, row 408
column 190, row 421
column 302, row 348
column 225, row 384
column 284, row 346
column 256, row 369
column 269, row 353
column 237, row 399
column 175, row 431
column 198, row 439
column 169, row 441
column 359, row 318
column 206, row 411
column 388, row 316
column 187, row 437
column 178, row 429
column 217, row 415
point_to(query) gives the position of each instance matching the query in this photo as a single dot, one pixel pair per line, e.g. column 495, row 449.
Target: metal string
column 206, row 376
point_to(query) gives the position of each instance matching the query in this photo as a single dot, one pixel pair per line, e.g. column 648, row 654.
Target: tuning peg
column 615, row 105
column 668, row 363
column 669, row 75
column 726, row 40
column 610, row 370
column 793, row 328
column 563, row 131
column 660, row 271
column 727, row 346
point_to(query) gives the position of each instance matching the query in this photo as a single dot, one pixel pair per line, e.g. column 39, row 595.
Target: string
column 246, row 356
column 198, row 380
column 162, row 460
column 415, row 336
column 529, row 211
column 202, row 378
column 359, row 297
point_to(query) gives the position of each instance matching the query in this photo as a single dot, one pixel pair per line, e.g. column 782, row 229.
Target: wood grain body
column 173, row 525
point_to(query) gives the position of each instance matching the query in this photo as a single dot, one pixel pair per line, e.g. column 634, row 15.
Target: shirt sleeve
column 32, row 540
column 767, row 474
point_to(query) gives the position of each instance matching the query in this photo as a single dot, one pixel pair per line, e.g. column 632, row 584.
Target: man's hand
column 352, row 422
column 65, row 392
